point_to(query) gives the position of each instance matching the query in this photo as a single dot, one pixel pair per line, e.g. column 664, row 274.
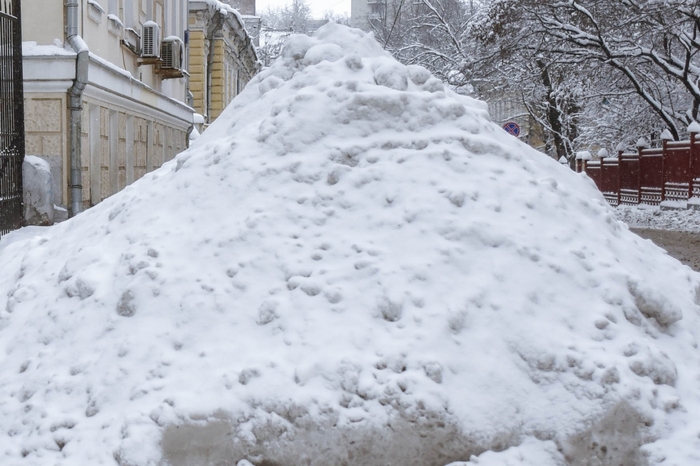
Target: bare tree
column 653, row 45
column 588, row 71
column 431, row 33
column 278, row 24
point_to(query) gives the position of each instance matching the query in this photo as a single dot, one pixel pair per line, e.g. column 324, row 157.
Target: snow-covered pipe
column 75, row 104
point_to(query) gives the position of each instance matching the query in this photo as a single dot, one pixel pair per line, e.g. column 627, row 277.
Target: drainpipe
column 75, row 104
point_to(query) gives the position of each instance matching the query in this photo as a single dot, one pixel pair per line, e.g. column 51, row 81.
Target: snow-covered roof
column 351, row 256
column 223, row 8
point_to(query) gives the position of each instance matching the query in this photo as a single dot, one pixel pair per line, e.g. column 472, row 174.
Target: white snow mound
column 351, row 266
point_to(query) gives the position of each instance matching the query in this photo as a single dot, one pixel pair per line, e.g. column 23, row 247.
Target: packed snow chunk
column 391, row 75
column 530, row 452
column 318, row 53
column 418, row 74
column 297, row 46
column 352, row 265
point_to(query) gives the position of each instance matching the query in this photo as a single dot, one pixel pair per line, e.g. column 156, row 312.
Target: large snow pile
column 351, row 266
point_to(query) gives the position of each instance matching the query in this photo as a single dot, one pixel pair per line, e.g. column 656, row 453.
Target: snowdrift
column 351, row 266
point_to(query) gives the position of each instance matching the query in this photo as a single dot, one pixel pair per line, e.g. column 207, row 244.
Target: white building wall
column 133, row 119
column 358, row 13
column 36, row 27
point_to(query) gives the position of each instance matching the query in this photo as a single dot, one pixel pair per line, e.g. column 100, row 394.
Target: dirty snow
column 352, row 265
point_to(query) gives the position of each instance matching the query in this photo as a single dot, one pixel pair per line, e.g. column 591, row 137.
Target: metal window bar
column 11, row 117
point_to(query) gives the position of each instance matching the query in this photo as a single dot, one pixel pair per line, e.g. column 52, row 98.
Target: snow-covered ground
column 653, row 217
column 351, row 266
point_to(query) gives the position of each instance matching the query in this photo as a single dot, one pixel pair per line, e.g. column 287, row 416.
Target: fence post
column 621, row 147
column 693, row 129
column 690, row 165
column 581, row 158
column 642, row 143
column 665, row 137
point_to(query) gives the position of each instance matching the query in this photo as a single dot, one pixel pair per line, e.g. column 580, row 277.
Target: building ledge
column 95, row 11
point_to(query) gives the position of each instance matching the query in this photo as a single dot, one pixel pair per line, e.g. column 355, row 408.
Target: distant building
column 314, row 25
column 248, row 11
column 244, row 7
column 379, row 12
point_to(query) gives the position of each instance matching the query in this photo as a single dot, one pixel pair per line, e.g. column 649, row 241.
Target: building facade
column 365, row 12
column 222, row 56
column 105, row 91
column 244, row 7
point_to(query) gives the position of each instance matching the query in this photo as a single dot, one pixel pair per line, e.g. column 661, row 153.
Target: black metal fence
column 11, row 117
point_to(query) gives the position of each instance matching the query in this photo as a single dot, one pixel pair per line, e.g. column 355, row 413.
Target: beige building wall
column 198, row 65
column 119, row 145
column 233, row 59
column 42, row 21
column 133, row 120
column 218, row 79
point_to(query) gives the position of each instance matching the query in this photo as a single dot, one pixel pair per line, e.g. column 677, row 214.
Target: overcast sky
column 318, row 7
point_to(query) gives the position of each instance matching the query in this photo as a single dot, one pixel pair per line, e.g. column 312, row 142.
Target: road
column 683, row 245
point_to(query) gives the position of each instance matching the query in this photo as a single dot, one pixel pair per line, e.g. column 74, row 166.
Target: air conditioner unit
column 150, row 40
column 171, row 53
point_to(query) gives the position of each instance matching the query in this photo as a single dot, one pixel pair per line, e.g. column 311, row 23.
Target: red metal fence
column 650, row 176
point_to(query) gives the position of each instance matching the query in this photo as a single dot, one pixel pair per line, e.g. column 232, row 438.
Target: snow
column 194, row 134
column 108, row 64
column 116, row 19
column 38, row 194
column 223, row 8
column 666, row 135
column 351, row 262
column 644, row 216
column 530, row 451
column 584, row 155
column 97, row 5
column 197, row 119
column 30, row 48
column 694, row 127
column 667, row 204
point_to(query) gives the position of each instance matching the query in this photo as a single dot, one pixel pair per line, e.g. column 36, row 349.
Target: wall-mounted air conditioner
column 150, row 40
column 171, row 53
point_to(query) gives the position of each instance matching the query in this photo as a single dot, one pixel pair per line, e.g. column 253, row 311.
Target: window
column 128, row 14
